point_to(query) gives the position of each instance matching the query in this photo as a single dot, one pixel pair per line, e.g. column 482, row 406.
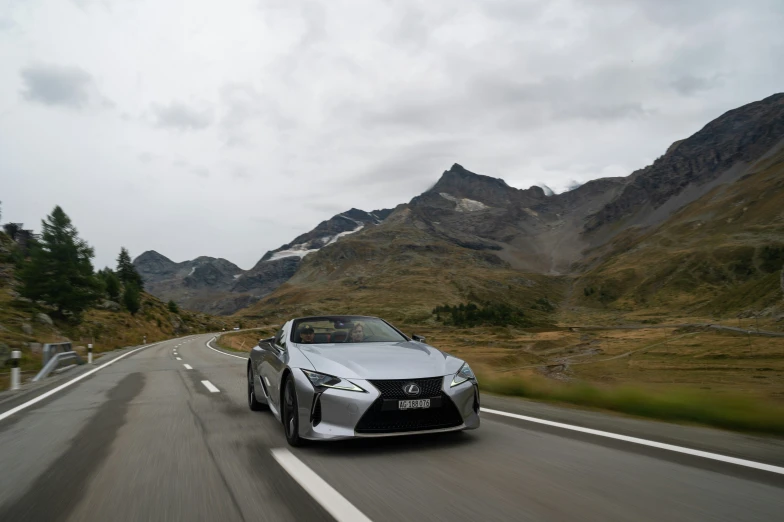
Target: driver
column 307, row 334
column 357, row 334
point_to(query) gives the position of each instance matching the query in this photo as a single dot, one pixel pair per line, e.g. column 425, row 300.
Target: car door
column 272, row 366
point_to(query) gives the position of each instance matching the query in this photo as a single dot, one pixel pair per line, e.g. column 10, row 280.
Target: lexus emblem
column 411, row 389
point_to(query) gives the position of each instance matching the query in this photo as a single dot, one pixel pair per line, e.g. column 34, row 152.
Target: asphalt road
column 145, row 439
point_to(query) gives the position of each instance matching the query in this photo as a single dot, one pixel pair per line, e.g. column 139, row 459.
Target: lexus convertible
column 338, row 377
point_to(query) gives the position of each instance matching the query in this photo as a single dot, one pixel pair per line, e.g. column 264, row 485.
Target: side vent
column 315, row 414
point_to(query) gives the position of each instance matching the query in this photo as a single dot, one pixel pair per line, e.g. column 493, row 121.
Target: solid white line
column 210, row 386
column 188, row 366
column 51, row 392
column 178, row 358
column 644, row 442
column 332, row 501
column 221, row 352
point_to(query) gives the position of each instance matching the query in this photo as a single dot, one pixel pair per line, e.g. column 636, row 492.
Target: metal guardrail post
column 15, row 356
column 50, row 349
column 54, row 362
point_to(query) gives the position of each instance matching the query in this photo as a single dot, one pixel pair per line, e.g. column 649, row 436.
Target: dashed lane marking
column 211, row 387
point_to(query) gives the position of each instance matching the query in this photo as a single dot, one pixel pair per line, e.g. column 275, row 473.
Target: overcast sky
column 227, row 128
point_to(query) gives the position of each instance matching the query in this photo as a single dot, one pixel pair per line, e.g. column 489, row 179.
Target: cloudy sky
column 227, row 128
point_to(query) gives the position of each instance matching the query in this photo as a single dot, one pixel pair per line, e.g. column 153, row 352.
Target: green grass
column 734, row 412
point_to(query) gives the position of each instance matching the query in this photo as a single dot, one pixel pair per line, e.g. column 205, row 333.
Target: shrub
column 490, row 314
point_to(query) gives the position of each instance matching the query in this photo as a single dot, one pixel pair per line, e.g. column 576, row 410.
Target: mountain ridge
column 218, row 286
column 475, row 233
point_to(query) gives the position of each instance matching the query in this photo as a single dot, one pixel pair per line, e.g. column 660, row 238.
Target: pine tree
column 132, row 298
column 127, row 272
column 60, row 271
column 173, row 308
column 112, row 285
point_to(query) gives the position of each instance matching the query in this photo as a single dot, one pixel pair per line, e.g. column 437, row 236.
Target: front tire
column 290, row 415
column 253, row 404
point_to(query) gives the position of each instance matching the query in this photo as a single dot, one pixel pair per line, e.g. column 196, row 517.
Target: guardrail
column 50, row 349
column 55, row 361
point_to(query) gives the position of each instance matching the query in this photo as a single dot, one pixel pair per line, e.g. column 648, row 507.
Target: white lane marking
column 51, row 392
column 188, row 366
column 210, row 386
column 178, row 358
column 332, row 501
column 221, row 352
column 644, row 442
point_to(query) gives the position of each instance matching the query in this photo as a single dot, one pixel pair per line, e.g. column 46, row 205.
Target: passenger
column 307, row 334
column 357, row 334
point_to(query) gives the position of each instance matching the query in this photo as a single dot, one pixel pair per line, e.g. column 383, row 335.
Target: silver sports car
column 336, row 377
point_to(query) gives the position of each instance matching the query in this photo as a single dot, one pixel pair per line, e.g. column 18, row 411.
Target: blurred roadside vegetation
column 49, row 292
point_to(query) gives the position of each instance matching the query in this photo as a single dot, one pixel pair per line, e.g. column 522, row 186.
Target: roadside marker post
column 15, row 356
column 90, row 353
column 144, row 340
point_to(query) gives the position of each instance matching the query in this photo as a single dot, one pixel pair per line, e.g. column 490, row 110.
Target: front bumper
column 337, row 413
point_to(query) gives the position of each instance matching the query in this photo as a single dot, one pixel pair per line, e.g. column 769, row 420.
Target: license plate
column 412, row 404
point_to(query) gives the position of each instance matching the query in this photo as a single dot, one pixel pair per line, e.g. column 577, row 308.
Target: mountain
column 217, row 286
column 666, row 235
column 473, row 237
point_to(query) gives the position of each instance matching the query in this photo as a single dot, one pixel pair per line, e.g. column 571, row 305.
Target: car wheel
column 253, row 404
column 291, row 413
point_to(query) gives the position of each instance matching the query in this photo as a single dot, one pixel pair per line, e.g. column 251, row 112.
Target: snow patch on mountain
column 301, row 250
column 343, row 234
column 464, row 204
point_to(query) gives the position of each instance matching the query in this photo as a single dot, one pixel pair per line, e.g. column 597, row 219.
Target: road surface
column 165, row 434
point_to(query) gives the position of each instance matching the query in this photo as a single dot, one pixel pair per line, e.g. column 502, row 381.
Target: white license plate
column 410, row 405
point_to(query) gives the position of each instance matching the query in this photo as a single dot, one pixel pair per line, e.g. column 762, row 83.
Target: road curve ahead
column 165, row 434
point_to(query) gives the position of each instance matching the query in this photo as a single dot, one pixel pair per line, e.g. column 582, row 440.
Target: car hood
column 397, row 360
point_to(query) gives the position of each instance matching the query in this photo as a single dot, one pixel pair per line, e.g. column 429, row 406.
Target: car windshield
column 343, row 329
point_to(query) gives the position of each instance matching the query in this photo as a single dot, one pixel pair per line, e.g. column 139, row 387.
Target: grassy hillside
column 719, row 256
column 399, row 272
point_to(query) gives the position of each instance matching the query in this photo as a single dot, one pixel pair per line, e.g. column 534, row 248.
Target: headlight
column 463, row 374
column 322, row 380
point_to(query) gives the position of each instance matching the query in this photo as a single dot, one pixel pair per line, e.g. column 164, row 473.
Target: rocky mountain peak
column 692, row 166
column 153, row 263
column 459, row 182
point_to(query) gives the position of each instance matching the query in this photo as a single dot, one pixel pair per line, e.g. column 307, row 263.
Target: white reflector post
column 15, row 356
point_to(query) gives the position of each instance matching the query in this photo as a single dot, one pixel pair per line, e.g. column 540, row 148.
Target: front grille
column 394, row 421
column 393, row 389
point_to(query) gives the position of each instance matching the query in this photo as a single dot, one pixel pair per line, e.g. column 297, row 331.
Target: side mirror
column 418, row 338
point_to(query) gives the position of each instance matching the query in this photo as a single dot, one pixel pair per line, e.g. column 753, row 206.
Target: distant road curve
column 764, row 333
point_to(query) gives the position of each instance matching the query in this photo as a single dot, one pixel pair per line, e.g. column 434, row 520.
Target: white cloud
column 260, row 119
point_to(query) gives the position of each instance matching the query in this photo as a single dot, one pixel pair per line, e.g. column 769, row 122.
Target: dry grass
column 244, row 341
column 728, row 411
column 699, row 359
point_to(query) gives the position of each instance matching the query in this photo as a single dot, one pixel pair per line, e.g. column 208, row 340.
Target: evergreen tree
column 173, row 308
column 112, row 285
column 132, row 298
column 127, row 272
column 60, row 271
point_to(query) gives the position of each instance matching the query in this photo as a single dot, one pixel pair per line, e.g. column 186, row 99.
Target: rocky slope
column 217, row 286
